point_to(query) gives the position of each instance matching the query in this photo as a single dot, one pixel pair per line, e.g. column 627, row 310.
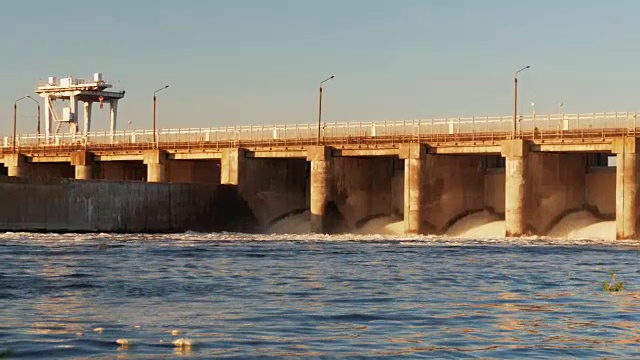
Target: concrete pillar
column 114, row 118
column 515, row 154
column 15, row 164
column 320, row 185
column 231, row 166
column 626, row 187
column 414, row 156
column 73, row 109
column 156, row 168
column 47, row 118
column 87, row 117
column 83, row 163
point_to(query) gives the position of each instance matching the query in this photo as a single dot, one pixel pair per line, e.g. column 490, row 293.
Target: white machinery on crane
column 75, row 90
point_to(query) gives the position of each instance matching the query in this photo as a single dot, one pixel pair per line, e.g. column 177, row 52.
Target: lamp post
column 320, row 108
column 515, row 100
column 15, row 118
column 37, row 103
column 155, row 141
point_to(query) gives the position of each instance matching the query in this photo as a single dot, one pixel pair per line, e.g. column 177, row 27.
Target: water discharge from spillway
column 295, row 224
column 577, row 225
column 480, row 225
column 583, row 225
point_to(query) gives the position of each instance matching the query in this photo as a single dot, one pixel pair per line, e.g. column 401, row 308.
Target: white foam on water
column 294, row 224
column 386, row 225
column 578, row 228
column 583, row 225
column 482, row 225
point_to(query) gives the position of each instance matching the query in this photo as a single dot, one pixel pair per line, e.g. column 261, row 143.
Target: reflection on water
column 126, row 296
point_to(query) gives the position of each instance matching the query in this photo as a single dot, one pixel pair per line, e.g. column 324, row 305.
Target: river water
column 244, row 296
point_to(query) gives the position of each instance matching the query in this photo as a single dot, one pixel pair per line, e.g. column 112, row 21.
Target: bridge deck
column 599, row 140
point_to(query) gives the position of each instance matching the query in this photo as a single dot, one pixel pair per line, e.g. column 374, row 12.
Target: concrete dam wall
column 62, row 205
column 505, row 188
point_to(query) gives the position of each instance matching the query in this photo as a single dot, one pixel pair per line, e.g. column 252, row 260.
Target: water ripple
column 239, row 296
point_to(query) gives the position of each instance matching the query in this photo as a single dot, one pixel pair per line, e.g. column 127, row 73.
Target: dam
column 424, row 175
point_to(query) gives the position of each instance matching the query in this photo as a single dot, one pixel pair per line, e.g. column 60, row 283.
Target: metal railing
column 550, row 126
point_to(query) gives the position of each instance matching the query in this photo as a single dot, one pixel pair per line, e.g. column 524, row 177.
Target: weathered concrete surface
column 494, row 186
column 454, row 188
column 232, row 166
column 540, row 188
column 440, row 189
column 271, row 188
column 120, row 170
column 36, row 204
column 555, row 186
column 414, row 169
column 363, row 188
column 193, row 171
column 600, row 188
column 627, row 193
column 50, row 170
column 515, row 153
column 320, row 186
column 83, row 163
column 275, row 188
column 156, row 168
column 18, row 166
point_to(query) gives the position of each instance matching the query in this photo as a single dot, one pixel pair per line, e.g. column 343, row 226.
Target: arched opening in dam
column 569, row 196
column 563, row 194
column 362, row 194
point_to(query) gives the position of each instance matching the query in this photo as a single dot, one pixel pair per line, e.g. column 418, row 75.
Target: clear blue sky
column 257, row 61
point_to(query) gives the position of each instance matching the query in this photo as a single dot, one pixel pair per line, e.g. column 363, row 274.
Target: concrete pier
column 16, row 165
column 320, row 186
column 414, row 166
column 83, row 163
column 231, row 166
column 515, row 153
column 156, row 168
column 626, row 187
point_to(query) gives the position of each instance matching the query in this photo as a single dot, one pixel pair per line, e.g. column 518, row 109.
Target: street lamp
column 154, row 114
column 320, row 108
column 515, row 100
column 37, row 103
column 15, row 117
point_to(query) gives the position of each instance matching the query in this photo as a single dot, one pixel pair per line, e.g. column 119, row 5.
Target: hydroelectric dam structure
column 427, row 173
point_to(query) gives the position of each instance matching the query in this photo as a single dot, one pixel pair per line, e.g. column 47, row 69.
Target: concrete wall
column 45, row 170
column 494, row 190
column 600, row 184
column 363, row 188
column 120, row 170
column 49, row 170
column 193, row 171
column 453, row 187
column 274, row 188
column 36, row 204
column 556, row 185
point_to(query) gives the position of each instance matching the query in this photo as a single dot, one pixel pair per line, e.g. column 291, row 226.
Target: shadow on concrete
column 333, row 221
column 232, row 213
